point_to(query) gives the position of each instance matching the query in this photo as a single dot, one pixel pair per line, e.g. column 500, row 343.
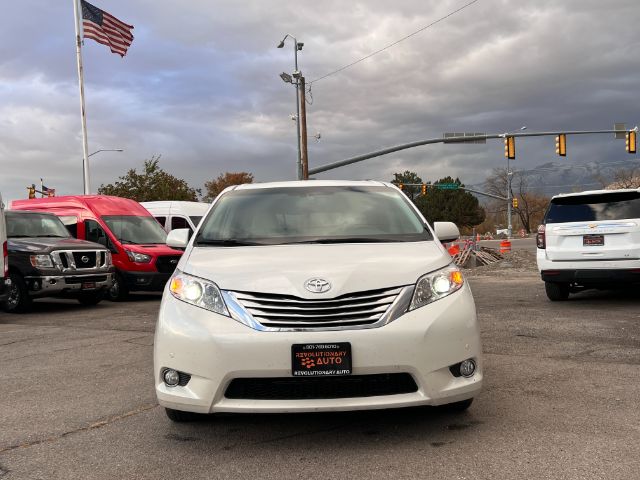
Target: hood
column 46, row 244
column 284, row 269
column 152, row 249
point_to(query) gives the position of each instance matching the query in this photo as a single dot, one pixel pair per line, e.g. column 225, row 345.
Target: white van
column 4, row 256
column 590, row 240
column 177, row 214
column 315, row 296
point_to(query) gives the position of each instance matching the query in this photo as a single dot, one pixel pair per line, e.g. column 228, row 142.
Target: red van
column 137, row 241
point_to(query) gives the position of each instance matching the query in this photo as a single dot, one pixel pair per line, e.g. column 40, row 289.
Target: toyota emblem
column 317, row 285
column 84, row 259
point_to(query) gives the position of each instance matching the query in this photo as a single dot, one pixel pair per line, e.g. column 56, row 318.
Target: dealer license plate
column 593, row 240
column 313, row 359
column 88, row 285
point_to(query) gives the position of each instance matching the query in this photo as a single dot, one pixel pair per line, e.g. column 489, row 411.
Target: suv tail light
column 541, row 240
column 5, row 255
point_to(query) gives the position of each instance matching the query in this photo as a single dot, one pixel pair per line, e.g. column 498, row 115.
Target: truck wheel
column 557, row 292
column 118, row 291
column 180, row 416
column 93, row 298
column 19, row 300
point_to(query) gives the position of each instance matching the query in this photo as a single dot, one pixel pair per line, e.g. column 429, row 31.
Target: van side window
column 71, row 222
column 161, row 220
column 180, row 222
column 95, row 233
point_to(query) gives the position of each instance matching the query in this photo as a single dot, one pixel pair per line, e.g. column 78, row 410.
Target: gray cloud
column 200, row 86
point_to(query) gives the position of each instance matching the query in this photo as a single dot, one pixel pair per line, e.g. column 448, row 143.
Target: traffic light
column 561, row 145
column 401, row 186
column 630, row 140
column 424, row 189
column 510, row 148
column 32, row 191
column 514, row 202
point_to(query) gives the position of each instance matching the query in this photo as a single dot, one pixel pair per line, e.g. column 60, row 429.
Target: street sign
column 446, row 186
column 449, row 135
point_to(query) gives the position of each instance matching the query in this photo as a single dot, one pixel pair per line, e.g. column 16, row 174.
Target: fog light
column 171, row 377
column 467, row 368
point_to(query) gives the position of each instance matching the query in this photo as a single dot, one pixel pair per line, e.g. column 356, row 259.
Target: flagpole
column 85, row 145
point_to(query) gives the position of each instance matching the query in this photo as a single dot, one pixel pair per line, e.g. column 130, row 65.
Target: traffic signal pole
column 463, row 139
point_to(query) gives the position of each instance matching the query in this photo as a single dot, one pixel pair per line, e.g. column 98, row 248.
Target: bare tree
column 531, row 205
column 625, row 178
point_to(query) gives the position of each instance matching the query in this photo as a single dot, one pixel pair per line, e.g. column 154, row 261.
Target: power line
column 394, row 43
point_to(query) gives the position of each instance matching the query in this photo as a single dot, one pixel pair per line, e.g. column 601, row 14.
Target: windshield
column 319, row 214
column 135, row 230
column 34, row 225
column 590, row 208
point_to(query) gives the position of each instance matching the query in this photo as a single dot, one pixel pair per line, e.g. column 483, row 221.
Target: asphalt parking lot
column 560, row 401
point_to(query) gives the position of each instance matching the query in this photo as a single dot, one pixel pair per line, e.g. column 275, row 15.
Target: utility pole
column 303, row 129
column 509, row 225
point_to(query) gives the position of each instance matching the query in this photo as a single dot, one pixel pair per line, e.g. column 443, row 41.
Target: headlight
column 436, row 285
column 197, row 291
column 41, row 261
column 138, row 257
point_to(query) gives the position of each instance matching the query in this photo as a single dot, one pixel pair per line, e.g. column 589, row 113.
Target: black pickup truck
column 46, row 261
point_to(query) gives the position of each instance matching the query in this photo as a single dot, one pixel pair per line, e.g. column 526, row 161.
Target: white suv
column 315, row 296
column 590, row 240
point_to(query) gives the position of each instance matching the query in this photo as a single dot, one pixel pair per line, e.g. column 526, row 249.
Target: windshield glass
column 319, row 214
column 34, row 225
column 590, row 208
column 195, row 219
column 135, row 230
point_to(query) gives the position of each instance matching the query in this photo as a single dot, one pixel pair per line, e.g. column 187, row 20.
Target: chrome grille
column 356, row 309
column 68, row 260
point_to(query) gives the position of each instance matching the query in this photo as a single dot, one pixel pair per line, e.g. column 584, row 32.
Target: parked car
column 4, row 255
column 46, row 261
column 174, row 214
column 590, row 240
column 136, row 241
column 315, row 296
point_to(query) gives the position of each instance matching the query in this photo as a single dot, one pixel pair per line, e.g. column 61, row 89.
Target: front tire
column 19, row 300
column 557, row 292
column 458, row 407
column 118, row 291
column 180, row 416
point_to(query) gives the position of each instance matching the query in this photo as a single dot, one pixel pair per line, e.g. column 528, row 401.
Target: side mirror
column 178, row 238
column 446, row 231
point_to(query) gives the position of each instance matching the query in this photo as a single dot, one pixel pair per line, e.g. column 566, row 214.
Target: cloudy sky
column 200, row 86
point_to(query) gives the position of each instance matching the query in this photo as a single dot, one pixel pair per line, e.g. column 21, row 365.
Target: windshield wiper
column 51, row 236
column 226, row 243
column 131, row 242
column 345, row 240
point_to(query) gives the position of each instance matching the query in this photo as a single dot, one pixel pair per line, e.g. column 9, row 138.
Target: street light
column 297, row 46
column 87, row 187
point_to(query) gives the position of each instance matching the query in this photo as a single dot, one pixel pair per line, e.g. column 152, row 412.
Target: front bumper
column 63, row 285
column 215, row 349
column 146, row 281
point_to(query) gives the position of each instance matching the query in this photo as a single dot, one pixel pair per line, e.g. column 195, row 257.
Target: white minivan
column 4, row 256
column 177, row 214
column 315, row 296
column 590, row 240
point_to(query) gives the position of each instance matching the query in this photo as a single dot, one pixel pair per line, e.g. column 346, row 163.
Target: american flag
column 106, row 29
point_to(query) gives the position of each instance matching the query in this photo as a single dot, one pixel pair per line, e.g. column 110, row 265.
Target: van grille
column 287, row 311
column 312, row 388
column 167, row 263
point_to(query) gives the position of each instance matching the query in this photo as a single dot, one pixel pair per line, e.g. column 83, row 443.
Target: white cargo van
column 590, row 240
column 4, row 257
column 177, row 214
